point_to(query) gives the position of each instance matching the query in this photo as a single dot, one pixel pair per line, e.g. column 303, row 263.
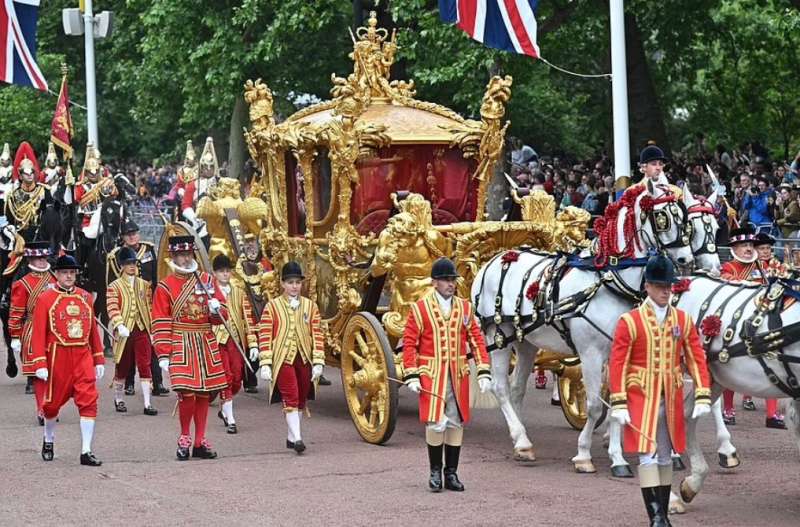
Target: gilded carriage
column 366, row 190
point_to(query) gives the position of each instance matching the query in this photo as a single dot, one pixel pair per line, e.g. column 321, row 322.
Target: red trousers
column 71, row 375
column 727, row 399
column 234, row 369
column 294, row 382
column 137, row 350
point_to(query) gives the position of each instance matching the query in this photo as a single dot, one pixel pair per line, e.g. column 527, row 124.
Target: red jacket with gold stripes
column 645, row 365
column 182, row 332
column 736, row 270
column 25, row 293
column 64, row 323
column 436, row 351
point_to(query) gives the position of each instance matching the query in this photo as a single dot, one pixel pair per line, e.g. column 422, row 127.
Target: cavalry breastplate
column 23, row 206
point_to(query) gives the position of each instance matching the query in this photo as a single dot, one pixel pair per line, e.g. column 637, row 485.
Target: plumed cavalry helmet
column 126, row 256
column 443, row 268
column 25, row 162
column 651, row 153
column 191, row 156
column 660, row 270
column 52, row 159
column 291, row 269
column 65, row 263
column 221, row 262
column 208, row 159
column 91, row 164
column 5, row 157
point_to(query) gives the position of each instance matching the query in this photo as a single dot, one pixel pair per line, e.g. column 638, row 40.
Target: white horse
column 542, row 301
column 764, row 364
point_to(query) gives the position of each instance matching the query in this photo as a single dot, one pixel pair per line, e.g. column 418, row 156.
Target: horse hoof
column 525, row 455
column 622, row 471
column 585, row 467
column 729, row 460
column 676, row 507
column 687, row 494
column 677, row 463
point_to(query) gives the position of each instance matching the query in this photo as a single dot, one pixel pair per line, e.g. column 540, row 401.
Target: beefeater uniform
column 65, row 340
column 242, row 323
column 291, row 342
column 736, row 270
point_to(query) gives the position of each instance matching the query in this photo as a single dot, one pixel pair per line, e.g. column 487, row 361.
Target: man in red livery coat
column 292, row 350
column 67, row 355
column 441, row 335
column 650, row 344
column 24, row 295
column 185, row 304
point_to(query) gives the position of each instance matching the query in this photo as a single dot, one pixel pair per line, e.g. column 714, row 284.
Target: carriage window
column 295, row 197
column 322, row 184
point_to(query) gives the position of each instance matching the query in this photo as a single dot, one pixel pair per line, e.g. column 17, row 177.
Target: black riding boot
column 29, row 386
column 652, row 502
column 664, row 493
column 435, row 460
column 451, row 454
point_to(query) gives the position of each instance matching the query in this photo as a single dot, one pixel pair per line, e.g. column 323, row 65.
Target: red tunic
column 736, row 270
column 183, row 334
column 436, row 351
column 645, row 364
column 25, row 293
column 66, row 341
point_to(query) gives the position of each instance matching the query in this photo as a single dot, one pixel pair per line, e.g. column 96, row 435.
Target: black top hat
column 651, row 153
column 221, row 262
column 126, row 256
column 129, row 227
column 65, row 263
column 762, row 238
column 443, row 268
column 741, row 235
column 37, row 250
column 291, row 269
column 660, row 270
column 181, row 243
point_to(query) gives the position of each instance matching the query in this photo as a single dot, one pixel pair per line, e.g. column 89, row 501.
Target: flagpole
column 619, row 91
column 91, row 90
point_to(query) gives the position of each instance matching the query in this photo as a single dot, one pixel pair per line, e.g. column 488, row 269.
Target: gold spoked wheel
column 572, row 393
column 367, row 364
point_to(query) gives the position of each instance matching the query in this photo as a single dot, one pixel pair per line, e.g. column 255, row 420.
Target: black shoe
column 222, row 416
column 159, row 390
column 251, row 389
column 231, row 429
column 323, row 381
column 289, row 445
column 435, row 462
column 663, row 494
column 149, row 410
column 29, row 389
column 120, row 406
column 203, row 451
column 729, row 419
column 299, row 446
column 749, row 405
column 89, row 460
column 451, row 455
column 652, row 502
column 554, row 402
column 130, row 390
column 47, row 451
column 40, row 420
column 776, row 422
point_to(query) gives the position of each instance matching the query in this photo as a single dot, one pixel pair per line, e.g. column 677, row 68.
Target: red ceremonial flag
column 61, row 130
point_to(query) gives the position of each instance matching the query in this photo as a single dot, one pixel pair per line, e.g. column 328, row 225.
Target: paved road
column 344, row 481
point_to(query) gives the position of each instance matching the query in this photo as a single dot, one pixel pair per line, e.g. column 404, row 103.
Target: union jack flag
column 509, row 25
column 18, row 44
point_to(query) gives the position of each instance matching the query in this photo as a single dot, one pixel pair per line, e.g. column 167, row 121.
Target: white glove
column 414, row 385
column 253, row 354
column 214, row 305
column 99, row 370
column 42, row 374
column 123, row 331
column 16, row 345
column 700, row 409
column 189, row 214
column 484, row 384
column 266, row 373
column 316, row 372
column 622, row 416
column 164, row 364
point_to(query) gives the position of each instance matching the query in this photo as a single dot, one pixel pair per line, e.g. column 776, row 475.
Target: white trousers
column 663, row 453
column 451, row 418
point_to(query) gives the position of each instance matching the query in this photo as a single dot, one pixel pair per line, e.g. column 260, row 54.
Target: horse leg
column 523, row 448
column 592, row 367
column 728, row 457
column 691, row 485
column 522, row 371
column 620, row 468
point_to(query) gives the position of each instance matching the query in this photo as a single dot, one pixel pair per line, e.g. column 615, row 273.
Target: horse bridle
column 704, row 209
column 661, row 222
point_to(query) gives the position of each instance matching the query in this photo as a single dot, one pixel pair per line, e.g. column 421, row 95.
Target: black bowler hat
column 762, row 238
column 741, row 235
column 181, row 244
column 651, row 153
column 129, row 227
column 291, row 269
column 65, row 263
column 443, row 268
column 660, row 270
column 126, row 256
column 221, row 262
column 36, row 250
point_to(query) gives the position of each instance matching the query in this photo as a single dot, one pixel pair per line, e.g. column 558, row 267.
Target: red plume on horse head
column 25, row 160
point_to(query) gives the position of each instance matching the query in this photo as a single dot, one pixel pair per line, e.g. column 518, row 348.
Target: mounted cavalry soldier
column 188, row 172
column 6, row 170
column 128, row 299
column 207, row 175
column 185, row 305
column 67, row 355
column 27, row 202
column 51, row 171
column 440, row 337
column 650, row 345
column 93, row 186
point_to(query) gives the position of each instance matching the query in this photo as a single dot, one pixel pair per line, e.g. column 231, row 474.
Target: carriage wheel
column 572, row 394
column 367, row 364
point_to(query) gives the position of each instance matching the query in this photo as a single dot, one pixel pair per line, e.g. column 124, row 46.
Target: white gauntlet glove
column 621, row 416
column 700, row 409
column 316, row 372
column 253, row 354
column 99, row 371
column 164, row 365
column 266, row 373
column 214, row 306
column 123, row 331
column 414, row 385
column 16, row 345
column 42, row 374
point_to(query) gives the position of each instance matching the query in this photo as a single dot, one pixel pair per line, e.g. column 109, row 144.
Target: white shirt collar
column 661, row 312
column 445, row 304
